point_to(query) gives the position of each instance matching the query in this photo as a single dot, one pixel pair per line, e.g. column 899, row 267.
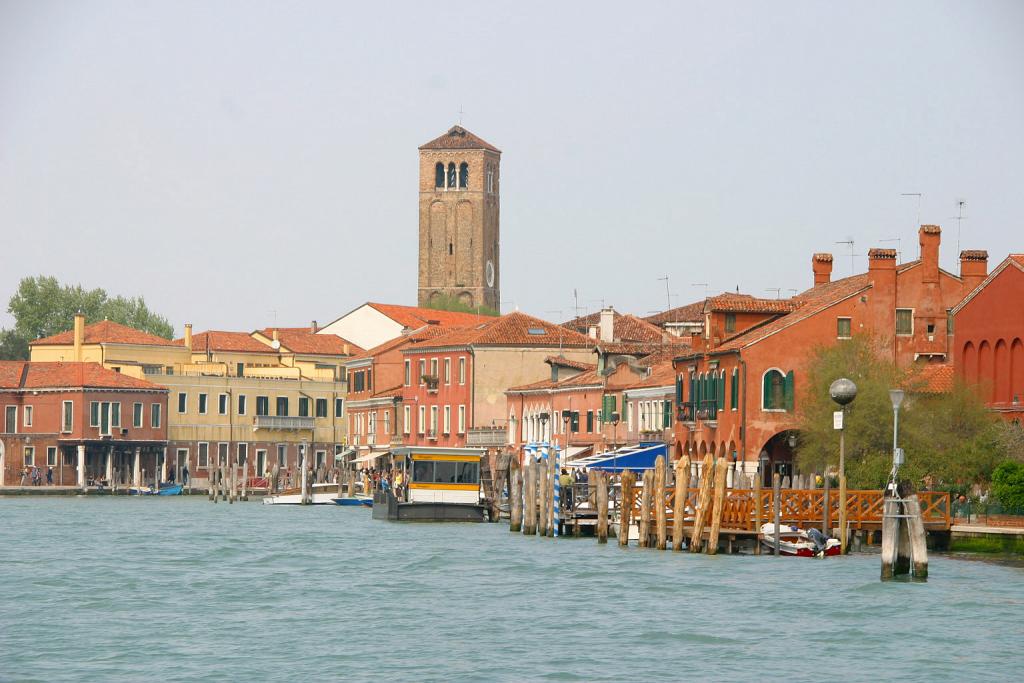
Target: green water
column 180, row 589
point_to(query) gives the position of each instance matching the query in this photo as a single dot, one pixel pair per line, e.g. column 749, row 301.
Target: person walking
column 565, row 483
column 49, row 476
column 24, row 476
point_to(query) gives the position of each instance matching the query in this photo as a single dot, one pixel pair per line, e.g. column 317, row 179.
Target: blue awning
column 634, row 458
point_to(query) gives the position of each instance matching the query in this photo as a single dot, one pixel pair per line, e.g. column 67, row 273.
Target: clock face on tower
column 489, row 273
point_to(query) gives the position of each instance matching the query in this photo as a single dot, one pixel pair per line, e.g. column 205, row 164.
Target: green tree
column 1008, row 484
column 445, row 302
column 949, row 439
column 42, row 306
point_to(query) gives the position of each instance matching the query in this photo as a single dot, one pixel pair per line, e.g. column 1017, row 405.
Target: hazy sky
column 232, row 159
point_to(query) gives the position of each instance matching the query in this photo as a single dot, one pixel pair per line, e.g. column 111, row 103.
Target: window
column 243, row 453
column 104, row 418
column 241, row 404
column 30, row 456
column 843, row 328
column 262, row 405
column 282, row 454
column 734, row 389
column 462, row 419
column 339, row 407
column 777, row 390
column 422, row 420
column 69, row 417
column 730, row 322
column 949, row 321
column 282, row 406
column 222, row 404
column 204, row 455
column 372, row 423
column 433, row 419
column 222, row 453
column 115, row 414
column 51, row 456
column 574, row 424
column 439, row 175
column 904, row 321
column 369, row 380
column 408, row 372
column 462, row 370
column 154, row 415
column 387, row 421
column 182, row 402
column 137, row 415
column 202, row 404
column 321, row 458
column 303, row 406
column 451, row 175
column 321, row 407
column 433, row 367
column 423, row 369
column 94, row 414
column 27, row 415
column 407, row 419
column 447, row 370
column 463, row 175
column 590, row 422
column 447, row 420
column 441, row 472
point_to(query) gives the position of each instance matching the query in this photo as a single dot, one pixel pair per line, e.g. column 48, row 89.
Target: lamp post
column 566, row 419
column 896, row 396
column 842, row 391
column 543, row 417
column 615, row 425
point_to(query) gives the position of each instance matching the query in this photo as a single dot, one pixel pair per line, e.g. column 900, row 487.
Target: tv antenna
column 701, row 284
column 961, row 205
column 668, row 295
column 849, row 240
column 899, row 250
column 461, row 112
column 918, row 195
column 777, row 290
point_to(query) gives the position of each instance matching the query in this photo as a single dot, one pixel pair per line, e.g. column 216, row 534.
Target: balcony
column 432, row 435
column 431, row 382
column 691, row 411
column 282, row 423
column 487, row 437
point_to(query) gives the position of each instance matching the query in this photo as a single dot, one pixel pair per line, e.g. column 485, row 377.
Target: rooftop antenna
column 961, row 205
column 777, row 290
column 668, row 295
column 899, row 250
column 918, row 195
column 460, row 114
column 849, row 240
column 576, row 302
column 701, row 284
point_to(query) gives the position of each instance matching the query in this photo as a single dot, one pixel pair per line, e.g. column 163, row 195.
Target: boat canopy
column 634, row 458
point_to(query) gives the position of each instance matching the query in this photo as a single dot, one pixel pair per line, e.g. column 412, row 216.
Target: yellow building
column 254, row 398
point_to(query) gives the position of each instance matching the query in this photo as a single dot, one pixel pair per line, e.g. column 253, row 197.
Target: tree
column 1008, row 484
column 42, row 306
column 445, row 302
column 949, row 439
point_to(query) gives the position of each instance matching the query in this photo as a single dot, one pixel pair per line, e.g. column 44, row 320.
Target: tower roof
column 458, row 137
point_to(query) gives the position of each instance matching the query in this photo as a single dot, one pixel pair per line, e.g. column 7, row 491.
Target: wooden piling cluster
column 904, row 546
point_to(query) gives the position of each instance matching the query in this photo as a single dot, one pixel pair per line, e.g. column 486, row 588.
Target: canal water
column 181, row 589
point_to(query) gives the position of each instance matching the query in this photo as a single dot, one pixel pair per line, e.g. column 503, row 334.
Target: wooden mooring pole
column 626, row 506
column 515, row 496
column 530, row 497
column 601, row 481
column 716, row 515
column 777, row 510
column 758, row 517
column 645, row 509
column 661, row 532
column 703, row 499
column 553, row 511
column 826, row 507
column 679, row 503
column 918, row 541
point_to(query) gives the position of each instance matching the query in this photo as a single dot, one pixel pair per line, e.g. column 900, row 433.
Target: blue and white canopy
column 634, row 458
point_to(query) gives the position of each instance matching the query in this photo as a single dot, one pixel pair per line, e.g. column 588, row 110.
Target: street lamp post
column 566, row 419
column 842, row 391
column 615, row 425
column 896, row 396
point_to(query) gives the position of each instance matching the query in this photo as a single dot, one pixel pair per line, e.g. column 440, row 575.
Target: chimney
column 882, row 273
column 79, row 335
column 973, row 268
column 607, row 324
column 821, row 264
column 275, row 335
column 881, row 259
column 929, row 237
column 592, row 331
column 313, row 327
column 188, row 337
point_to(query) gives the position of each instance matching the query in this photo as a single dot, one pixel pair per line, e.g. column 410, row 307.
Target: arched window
column 463, row 175
column 451, row 175
column 439, row 175
column 777, row 390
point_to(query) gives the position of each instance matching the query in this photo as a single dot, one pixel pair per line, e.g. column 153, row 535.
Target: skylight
column 536, row 331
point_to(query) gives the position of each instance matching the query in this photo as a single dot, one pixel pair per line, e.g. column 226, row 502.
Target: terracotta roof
column 822, row 257
column 413, row 337
column 690, row 313
column 302, row 340
column 880, row 253
column 59, row 375
column 662, row 374
column 1016, row 260
column 216, row 340
column 625, row 326
column 567, row 363
column 931, row 229
column 810, row 302
column 745, row 303
column 458, row 137
column 589, row 378
column 933, row 378
column 105, row 332
column 512, row 329
column 414, row 317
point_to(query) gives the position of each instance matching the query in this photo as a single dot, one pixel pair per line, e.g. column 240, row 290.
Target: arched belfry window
column 439, row 175
column 451, row 175
column 463, row 175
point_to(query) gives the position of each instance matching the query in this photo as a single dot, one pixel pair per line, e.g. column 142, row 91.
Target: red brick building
column 82, row 420
column 988, row 333
column 738, row 396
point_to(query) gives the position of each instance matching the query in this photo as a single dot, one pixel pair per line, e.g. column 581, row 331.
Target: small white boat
column 798, row 542
column 321, row 494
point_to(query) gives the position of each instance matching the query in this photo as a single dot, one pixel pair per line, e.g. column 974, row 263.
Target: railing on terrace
column 483, row 437
column 282, row 422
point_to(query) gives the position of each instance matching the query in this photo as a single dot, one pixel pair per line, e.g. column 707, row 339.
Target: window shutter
column 766, row 388
column 679, row 389
column 787, row 390
column 666, row 415
column 693, row 388
column 734, row 398
column 721, row 390
column 576, row 421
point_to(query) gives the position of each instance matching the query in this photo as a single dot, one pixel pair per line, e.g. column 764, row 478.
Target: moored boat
column 355, row 501
column 798, row 542
column 320, row 494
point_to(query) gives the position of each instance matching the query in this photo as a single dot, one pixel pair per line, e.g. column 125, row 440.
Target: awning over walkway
column 575, row 452
column 634, row 458
column 344, row 454
column 369, row 457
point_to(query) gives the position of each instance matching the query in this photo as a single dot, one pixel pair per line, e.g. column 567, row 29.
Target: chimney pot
column 188, row 336
column 929, row 237
column 607, row 324
column 821, row 265
column 313, row 327
column 79, row 335
column 973, row 267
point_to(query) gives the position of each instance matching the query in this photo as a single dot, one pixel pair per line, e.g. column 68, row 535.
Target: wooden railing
column 804, row 507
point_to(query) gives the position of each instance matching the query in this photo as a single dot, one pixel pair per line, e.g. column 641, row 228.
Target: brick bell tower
column 459, row 235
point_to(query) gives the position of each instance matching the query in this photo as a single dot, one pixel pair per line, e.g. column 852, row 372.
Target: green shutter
column 576, row 421
column 679, row 389
column 721, row 390
column 666, row 415
column 787, row 390
column 693, row 388
column 766, row 389
column 734, row 398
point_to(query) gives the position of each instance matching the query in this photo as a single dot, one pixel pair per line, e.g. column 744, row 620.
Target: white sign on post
column 837, row 419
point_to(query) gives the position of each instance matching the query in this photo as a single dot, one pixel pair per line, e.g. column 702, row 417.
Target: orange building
column 739, row 394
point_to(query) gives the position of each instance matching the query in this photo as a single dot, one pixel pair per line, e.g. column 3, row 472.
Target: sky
column 243, row 164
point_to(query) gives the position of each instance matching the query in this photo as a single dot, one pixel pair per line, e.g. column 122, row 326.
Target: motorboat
column 355, row 501
column 166, row 490
column 323, row 493
column 799, row 542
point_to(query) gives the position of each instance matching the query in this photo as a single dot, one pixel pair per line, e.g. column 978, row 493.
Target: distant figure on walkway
column 565, row 483
column 49, row 476
column 184, row 475
column 36, row 479
column 170, row 475
column 24, row 476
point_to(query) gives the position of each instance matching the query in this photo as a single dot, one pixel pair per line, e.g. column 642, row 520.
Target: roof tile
column 60, row 375
column 106, row 332
column 458, row 137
